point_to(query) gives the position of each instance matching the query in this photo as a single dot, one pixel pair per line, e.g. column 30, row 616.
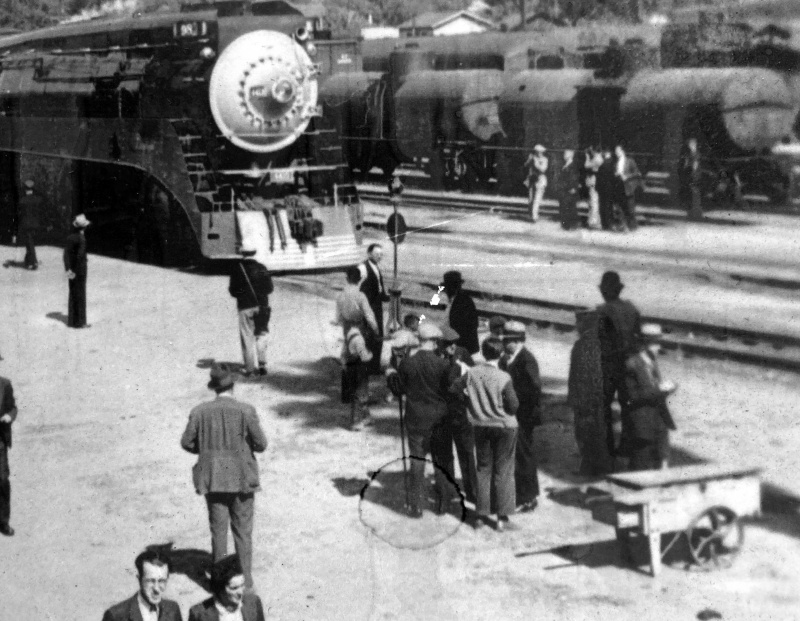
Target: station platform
column 98, row 473
column 736, row 270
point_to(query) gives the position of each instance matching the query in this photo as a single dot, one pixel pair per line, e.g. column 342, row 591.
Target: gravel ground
column 98, row 473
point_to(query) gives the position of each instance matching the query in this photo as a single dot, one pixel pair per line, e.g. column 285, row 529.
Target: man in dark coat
column 620, row 325
column 650, row 418
column 372, row 286
column 689, row 176
column 225, row 434
column 153, row 569
column 8, row 414
column 628, row 182
column 29, row 221
column 251, row 285
column 455, row 428
column 568, row 182
column 425, row 381
column 462, row 314
column 605, row 191
column 521, row 365
column 76, row 265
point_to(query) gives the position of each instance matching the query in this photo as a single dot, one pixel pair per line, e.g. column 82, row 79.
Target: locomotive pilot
column 536, row 180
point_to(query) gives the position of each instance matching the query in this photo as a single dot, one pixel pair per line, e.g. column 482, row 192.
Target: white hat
column 651, row 331
column 81, row 222
column 429, row 332
column 539, row 147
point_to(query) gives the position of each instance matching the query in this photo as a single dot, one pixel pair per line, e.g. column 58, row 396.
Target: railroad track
column 763, row 349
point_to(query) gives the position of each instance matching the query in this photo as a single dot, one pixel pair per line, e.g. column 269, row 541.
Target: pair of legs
column 238, row 510
column 419, row 447
column 536, row 196
column 5, row 489
column 495, row 449
column 27, row 237
column 254, row 342
column 456, row 430
column 357, row 381
column 76, row 313
column 526, row 471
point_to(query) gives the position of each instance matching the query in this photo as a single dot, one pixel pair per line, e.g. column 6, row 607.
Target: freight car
column 468, row 111
column 182, row 134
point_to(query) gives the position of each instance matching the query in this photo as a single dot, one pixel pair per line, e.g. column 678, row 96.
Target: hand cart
column 703, row 502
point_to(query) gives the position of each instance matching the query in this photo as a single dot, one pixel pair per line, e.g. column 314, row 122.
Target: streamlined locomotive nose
column 263, row 91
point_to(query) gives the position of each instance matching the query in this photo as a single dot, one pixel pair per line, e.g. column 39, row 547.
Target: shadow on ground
column 58, row 316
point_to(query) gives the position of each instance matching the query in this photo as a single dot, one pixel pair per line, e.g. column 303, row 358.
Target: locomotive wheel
column 715, row 537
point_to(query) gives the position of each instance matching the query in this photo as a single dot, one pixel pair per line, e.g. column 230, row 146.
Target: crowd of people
column 610, row 181
column 486, row 398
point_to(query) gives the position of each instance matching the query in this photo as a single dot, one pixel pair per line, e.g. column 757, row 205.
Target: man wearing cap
column 149, row 604
column 8, row 414
column 620, row 324
column 455, row 428
column 225, row 434
column 372, row 286
column 650, row 418
column 461, row 312
column 536, row 179
column 29, row 213
column 251, row 285
column 76, row 265
column 521, row 365
column 425, row 380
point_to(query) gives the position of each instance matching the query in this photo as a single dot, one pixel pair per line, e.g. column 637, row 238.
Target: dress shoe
column 528, row 506
column 6, row 530
column 262, row 370
column 415, row 512
column 506, row 525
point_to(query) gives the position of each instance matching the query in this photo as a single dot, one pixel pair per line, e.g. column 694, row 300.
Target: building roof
column 437, row 19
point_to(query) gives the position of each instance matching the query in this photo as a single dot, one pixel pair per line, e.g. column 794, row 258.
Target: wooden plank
column 679, row 476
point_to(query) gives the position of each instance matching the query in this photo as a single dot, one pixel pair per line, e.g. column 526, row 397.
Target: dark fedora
column 221, row 377
column 611, row 282
column 452, row 278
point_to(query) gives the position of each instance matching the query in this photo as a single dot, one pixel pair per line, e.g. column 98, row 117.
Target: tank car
column 183, row 135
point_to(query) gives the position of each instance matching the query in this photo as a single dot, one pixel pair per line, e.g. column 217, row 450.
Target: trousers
column 536, row 196
column 76, row 310
column 238, row 509
column 628, row 207
column 254, row 343
column 594, row 208
column 5, row 487
column 526, row 472
column 357, row 378
column 419, row 446
column 494, row 450
column 456, row 430
column 30, row 248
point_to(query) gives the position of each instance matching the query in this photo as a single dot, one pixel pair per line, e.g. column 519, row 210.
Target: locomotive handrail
column 254, row 172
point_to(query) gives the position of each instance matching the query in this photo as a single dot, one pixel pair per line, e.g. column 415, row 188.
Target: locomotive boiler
column 184, row 135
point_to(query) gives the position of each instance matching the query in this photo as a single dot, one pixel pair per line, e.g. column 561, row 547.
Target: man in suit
column 628, row 180
column 568, row 182
column 251, row 285
column 29, row 207
column 521, row 365
column 372, row 286
column 225, row 434
column 605, row 190
column 461, row 312
column 536, row 179
column 8, row 414
column 650, row 418
column 620, row 324
column 76, row 265
column 148, row 604
column 690, row 176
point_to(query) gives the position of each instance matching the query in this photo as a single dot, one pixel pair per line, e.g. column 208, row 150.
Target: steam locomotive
column 467, row 110
column 183, row 135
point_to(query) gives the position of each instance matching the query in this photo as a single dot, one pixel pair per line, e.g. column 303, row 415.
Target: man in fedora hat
column 251, row 285
column 225, row 434
column 649, row 417
column 461, row 312
column 29, row 213
column 620, row 324
column 536, row 179
column 76, row 265
column 8, row 414
column 521, row 365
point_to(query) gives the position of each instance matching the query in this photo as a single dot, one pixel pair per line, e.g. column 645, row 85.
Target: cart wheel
column 715, row 536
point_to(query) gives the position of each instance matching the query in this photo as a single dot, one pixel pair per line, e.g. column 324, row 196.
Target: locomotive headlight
column 283, row 90
column 207, row 53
